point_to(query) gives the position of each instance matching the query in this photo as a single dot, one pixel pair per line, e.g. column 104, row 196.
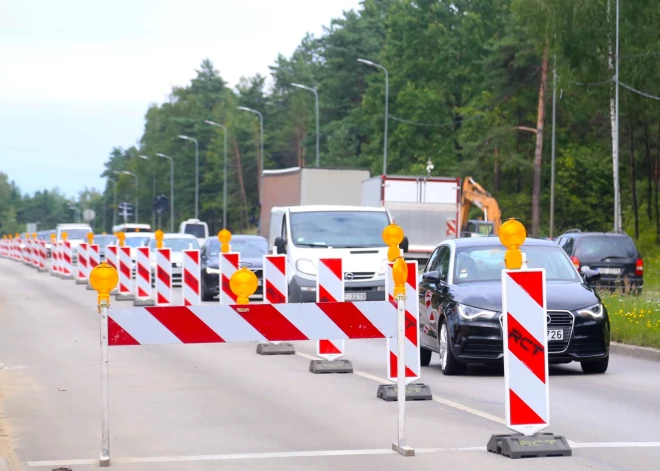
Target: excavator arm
column 474, row 194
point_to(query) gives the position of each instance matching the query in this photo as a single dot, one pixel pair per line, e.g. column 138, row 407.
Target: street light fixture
column 187, row 138
column 261, row 126
column 171, row 189
column 125, row 172
column 114, row 204
column 153, row 192
column 387, row 93
column 316, row 96
column 224, row 174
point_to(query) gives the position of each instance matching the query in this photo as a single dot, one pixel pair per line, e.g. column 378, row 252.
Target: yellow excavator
column 473, row 194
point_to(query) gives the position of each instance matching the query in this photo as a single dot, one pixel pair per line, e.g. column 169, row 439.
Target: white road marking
column 617, row 445
column 438, row 399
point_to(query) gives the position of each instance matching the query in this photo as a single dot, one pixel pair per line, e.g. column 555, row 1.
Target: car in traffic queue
column 178, row 243
column 76, row 235
column 135, row 240
column 103, row 240
column 460, row 316
column 251, row 248
column 612, row 254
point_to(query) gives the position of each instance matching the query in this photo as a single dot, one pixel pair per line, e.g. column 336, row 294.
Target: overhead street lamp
column 114, row 203
column 171, row 189
column 316, row 96
column 387, row 116
column 125, row 172
column 153, row 192
column 261, row 126
column 187, row 138
column 224, row 173
column 76, row 212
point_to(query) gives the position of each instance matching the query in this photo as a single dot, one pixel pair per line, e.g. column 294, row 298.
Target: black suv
column 612, row 254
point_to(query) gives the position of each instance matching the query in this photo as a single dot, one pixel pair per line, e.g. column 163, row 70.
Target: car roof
column 240, row 237
column 138, row 234
column 490, row 241
column 178, row 235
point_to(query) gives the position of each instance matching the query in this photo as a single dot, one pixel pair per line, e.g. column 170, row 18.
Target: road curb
column 4, row 465
column 646, row 353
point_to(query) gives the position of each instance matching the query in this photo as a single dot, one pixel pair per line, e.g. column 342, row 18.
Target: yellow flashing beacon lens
column 512, row 236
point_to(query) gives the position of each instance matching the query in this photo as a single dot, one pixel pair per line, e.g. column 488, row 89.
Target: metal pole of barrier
column 401, row 367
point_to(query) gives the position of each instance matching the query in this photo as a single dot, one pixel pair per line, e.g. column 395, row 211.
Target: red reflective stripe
column 185, row 325
column 324, row 296
column 190, row 281
column 521, row 413
column 394, row 367
column 125, row 270
column 350, row 320
column 273, row 295
column 531, row 356
column 279, row 263
column 118, row 336
column 326, row 347
column 163, row 276
column 143, row 272
column 531, row 282
column 269, row 322
column 142, row 293
column 334, row 264
column 194, row 256
column 162, row 299
column 226, row 289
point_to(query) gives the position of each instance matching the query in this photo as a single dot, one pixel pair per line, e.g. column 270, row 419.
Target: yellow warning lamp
column 104, row 233
column 65, row 236
column 103, row 279
column 121, row 237
column 512, row 236
column 34, row 235
column 52, row 237
column 243, row 283
column 17, row 236
column 224, row 236
column 393, row 236
column 158, row 235
column 11, row 237
column 90, row 238
column 400, row 276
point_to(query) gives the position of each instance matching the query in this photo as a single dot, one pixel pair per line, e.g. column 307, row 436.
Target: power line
column 639, row 92
column 592, row 84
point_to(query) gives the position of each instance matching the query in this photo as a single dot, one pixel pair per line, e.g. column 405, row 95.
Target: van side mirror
column 404, row 244
column 280, row 245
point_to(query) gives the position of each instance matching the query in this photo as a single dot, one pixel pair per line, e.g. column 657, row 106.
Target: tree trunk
column 615, row 150
column 496, row 170
column 239, row 169
column 633, row 175
column 649, row 172
column 656, row 180
column 538, row 152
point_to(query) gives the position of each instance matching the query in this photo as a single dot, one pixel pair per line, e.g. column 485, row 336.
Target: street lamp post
column 387, row 93
column 153, row 194
column 114, row 204
column 171, row 189
column 261, row 126
column 554, row 131
column 224, row 174
column 316, row 96
column 125, row 172
column 196, row 172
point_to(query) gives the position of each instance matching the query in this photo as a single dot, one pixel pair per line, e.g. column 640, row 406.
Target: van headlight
column 470, row 313
column 383, row 267
column 595, row 311
column 306, row 266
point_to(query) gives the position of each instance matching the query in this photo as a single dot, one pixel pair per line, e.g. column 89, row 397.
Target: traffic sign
column 89, row 215
column 161, row 204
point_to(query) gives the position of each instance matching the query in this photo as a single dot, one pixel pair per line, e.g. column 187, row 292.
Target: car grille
column 560, row 320
column 360, row 275
column 484, row 348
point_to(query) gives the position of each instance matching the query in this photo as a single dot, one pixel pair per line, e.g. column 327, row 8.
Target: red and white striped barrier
column 330, row 289
column 112, row 258
column 191, row 278
column 66, row 263
column 43, row 255
column 54, row 269
column 275, row 282
column 143, row 275
column 94, row 257
column 525, row 350
column 34, row 260
column 82, row 266
column 228, row 265
column 163, row 277
column 125, row 273
column 251, row 323
column 412, row 354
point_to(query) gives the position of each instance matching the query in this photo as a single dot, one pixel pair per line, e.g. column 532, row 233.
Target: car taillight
column 639, row 267
column 575, row 261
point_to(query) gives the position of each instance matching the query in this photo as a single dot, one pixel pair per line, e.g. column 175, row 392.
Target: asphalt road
column 209, row 407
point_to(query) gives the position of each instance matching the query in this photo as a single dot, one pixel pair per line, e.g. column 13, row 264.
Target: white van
column 352, row 233
column 129, row 228
column 196, row 228
column 76, row 234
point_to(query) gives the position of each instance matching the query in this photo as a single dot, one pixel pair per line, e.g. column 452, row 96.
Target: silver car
column 178, row 243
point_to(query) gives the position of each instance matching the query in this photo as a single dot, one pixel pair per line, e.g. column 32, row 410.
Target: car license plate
column 355, row 296
column 556, row 334
column 609, row 271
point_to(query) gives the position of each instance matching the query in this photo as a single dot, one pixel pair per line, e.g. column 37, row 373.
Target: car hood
column 255, row 263
column 560, row 295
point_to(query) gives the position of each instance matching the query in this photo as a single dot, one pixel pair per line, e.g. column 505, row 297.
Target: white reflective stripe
column 192, row 267
column 275, row 277
column 125, row 261
column 228, row 324
column 144, row 262
column 382, row 314
column 412, row 359
column 310, row 320
column 527, row 386
column 82, row 254
column 94, row 257
column 111, row 255
column 166, row 266
column 142, row 326
column 326, row 278
column 227, row 269
column 526, row 311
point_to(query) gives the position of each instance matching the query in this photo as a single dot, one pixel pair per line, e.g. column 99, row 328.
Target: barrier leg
column 104, row 461
column 275, row 291
column 401, row 446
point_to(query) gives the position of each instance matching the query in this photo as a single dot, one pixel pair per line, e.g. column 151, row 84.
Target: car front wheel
column 596, row 367
column 449, row 365
column 424, row 356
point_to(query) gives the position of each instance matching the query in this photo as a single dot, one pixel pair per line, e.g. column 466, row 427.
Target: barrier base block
column 82, row 281
column 272, row 349
column 414, row 392
column 89, row 288
column 143, row 302
column 42, row 270
column 326, row 366
column 540, row 445
column 403, row 450
column 124, row 297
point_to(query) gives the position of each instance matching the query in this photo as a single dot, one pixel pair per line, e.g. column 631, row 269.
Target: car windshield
column 340, row 229
column 136, row 241
column 75, row 234
column 600, row 247
column 246, row 247
column 177, row 245
column 198, row 230
column 486, row 263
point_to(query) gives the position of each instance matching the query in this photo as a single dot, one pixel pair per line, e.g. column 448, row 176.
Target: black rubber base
column 326, row 366
column 541, row 445
column 414, row 392
column 143, row 302
column 272, row 349
column 124, row 297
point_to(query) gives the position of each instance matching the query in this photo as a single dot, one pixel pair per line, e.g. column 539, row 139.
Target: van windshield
column 198, row 230
column 340, row 229
column 75, row 234
column 177, row 245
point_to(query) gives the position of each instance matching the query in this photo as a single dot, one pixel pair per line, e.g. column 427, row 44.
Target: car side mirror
column 404, row 244
column 280, row 245
column 590, row 276
column 431, row 276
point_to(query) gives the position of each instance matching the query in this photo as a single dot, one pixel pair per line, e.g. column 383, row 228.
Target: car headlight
column 306, row 266
column 213, row 271
column 595, row 311
column 470, row 313
column 383, row 267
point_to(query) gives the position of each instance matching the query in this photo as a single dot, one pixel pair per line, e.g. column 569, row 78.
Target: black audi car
column 460, row 297
column 252, row 249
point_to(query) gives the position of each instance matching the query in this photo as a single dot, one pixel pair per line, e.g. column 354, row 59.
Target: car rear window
column 602, row 246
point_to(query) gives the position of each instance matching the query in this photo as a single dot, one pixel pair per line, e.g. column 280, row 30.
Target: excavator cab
column 477, row 228
column 474, row 194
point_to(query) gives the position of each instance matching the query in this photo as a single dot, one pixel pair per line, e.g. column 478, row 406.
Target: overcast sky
column 77, row 76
